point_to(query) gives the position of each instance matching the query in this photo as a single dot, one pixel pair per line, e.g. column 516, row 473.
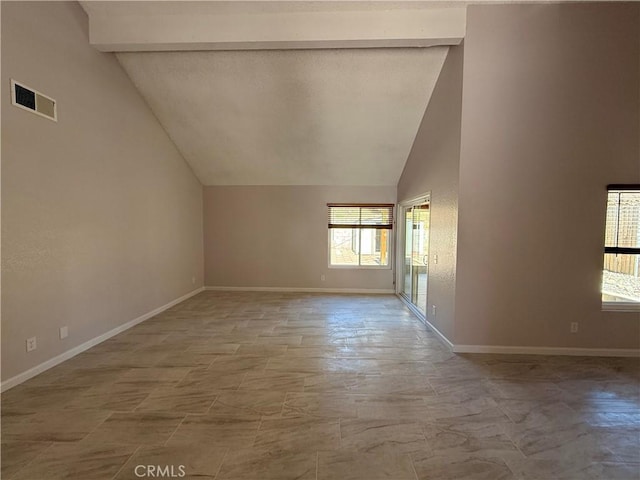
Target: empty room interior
column 320, row 240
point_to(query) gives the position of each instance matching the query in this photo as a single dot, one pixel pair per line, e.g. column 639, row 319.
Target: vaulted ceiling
column 290, row 117
column 298, row 108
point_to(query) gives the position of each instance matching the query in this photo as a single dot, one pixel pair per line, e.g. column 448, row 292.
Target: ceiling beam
column 121, row 31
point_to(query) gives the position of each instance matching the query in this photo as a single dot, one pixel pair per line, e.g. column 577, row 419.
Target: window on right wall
column 621, row 273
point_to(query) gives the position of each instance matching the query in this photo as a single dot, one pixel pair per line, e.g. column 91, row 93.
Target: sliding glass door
column 415, row 255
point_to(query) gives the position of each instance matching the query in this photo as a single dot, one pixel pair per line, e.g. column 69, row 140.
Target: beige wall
column 550, row 117
column 432, row 166
column 276, row 236
column 101, row 216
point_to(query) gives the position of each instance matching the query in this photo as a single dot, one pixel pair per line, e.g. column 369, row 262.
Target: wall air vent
column 29, row 99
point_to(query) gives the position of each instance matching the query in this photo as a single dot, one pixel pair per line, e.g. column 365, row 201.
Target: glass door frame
column 401, row 242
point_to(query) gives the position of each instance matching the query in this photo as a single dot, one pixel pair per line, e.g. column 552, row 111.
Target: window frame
column 390, row 246
column 609, row 306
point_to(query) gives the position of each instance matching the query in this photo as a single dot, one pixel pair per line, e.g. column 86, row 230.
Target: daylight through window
column 621, row 279
column 360, row 234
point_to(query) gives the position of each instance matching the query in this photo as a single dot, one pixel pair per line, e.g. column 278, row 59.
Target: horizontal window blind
column 622, row 233
column 343, row 215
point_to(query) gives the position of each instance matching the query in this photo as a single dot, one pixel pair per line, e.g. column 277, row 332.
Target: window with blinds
column 360, row 234
column 621, row 275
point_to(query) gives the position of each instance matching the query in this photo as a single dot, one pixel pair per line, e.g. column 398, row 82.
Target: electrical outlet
column 574, row 327
column 322, row 278
column 31, row 344
column 433, row 310
column 435, row 258
column 64, row 332
column 193, row 280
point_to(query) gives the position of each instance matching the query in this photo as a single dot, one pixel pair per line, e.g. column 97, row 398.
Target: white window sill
column 620, row 307
column 361, row 267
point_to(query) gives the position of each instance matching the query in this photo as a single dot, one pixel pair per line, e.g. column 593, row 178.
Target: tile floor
column 302, row 386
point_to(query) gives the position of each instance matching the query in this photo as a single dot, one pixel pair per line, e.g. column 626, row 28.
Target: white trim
column 522, row 350
column 632, row 300
column 419, row 200
column 400, row 243
column 376, row 291
column 391, row 248
column 15, row 104
column 401, row 240
column 621, row 306
column 116, row 30
column 440, row 335
column 38, row 369
column 360, row 267
column 424, row 320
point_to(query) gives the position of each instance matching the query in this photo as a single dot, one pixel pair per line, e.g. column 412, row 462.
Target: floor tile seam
column 255, row 435
column 111, row 414
column 15, row 474
column 344, row 391
column 573, row 410
column 423, row 425
column 175, row 430
column 515, row 474
column 244, row 378
column 517, row 447
column 126, row 461
column 506, row 414
column 616, row 456
column 215, row 400
column 266, row 367
column 224, row 457
column 174, row 383
column 620, row 462
column 413, row 467
column 284, row 401
column 353, row 397
column 383, row 395
column 152, row 391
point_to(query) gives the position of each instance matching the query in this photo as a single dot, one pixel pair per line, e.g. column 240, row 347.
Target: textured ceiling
column 285, row 117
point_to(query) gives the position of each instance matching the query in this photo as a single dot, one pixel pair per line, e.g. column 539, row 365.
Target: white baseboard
column 38, row 369
column 521, row 350
column 439, row 334
column 380, row 291
column 424, row 320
